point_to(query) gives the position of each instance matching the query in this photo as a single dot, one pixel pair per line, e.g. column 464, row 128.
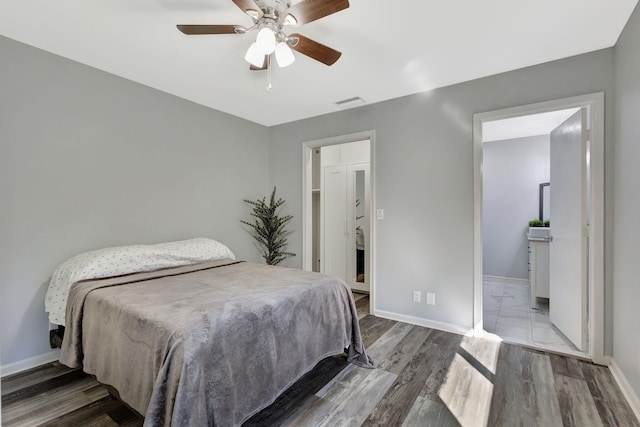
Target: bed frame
column 56, row 336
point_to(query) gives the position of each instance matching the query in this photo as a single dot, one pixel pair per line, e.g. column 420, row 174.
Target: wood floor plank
column 612, row 406
column 427, row 413
column 400, row 356
column 422, row 376
column 95, row 414
column 38, row 375
column 356, row 403
column 304, row 389
column 124, row 416
column 372, row 328
column 546, row 409
column 47, row 406
column 576, row 404
column 312, row 412
column 467, row 393
column 566, row 366
column 362, row 306
column 484, row 351
column 438, row 361
column 390, row 340
column 348, row 399
column 524, row 389
column 136, row 422
column 397, row 403
column 505, row 389
column 358, row 297
column 58, row 381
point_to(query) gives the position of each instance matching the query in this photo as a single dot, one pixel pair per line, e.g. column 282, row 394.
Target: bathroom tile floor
column 507, row 313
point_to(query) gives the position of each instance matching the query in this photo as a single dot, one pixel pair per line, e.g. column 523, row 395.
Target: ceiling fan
column 270, row 17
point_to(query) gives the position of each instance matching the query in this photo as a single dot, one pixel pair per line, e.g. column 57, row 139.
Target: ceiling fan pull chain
column 269, row 85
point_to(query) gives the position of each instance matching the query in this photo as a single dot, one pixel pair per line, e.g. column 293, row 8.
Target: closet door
column 334, row 195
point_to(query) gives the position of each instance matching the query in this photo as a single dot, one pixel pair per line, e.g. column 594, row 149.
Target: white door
column 334, row 222
column 567, row 251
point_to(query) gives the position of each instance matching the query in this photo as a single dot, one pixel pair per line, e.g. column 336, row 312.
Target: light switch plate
column 416, row 296
column 380, row 213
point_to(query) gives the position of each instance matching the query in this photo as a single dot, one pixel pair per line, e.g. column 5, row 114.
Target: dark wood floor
column 424, row 377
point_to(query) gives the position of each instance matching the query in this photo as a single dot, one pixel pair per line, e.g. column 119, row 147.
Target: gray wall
column 627, row 203
column 89, row 160
column 512, row 172
column 424, row 177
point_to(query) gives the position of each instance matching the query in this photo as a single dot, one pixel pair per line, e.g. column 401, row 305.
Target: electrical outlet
column 416, row 296
column 431, row 298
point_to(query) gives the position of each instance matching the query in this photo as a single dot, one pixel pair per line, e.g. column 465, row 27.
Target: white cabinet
column 538, row 269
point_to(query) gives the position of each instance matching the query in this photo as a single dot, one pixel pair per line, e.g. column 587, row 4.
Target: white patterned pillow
column 117, row 261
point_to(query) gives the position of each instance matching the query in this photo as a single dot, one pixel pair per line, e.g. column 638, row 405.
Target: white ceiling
column 390, row 48
column 523, row 126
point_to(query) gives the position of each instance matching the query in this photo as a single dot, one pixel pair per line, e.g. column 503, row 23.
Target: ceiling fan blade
column 313, row 49
column 310, row 10
column 249, row 5
column 265, row 65
column 208, row 29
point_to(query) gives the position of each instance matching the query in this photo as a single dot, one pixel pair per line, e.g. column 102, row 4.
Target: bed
column 188, row 335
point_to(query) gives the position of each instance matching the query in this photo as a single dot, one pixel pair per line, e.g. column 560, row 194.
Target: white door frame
column 596, row 229
column 307, row 212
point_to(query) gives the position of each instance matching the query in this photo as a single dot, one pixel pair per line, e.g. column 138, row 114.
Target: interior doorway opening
column 526, row 160
column 338, row 231
column 530, row 305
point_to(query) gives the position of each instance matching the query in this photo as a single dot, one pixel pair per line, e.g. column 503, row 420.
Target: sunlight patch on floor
column 467, row 393
column 484, row 350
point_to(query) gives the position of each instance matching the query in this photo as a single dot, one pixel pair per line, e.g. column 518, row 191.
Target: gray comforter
column 210, row 344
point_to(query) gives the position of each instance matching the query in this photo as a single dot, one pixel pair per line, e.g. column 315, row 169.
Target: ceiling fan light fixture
column 266, row 41
column 284, row 55
column 254, row 56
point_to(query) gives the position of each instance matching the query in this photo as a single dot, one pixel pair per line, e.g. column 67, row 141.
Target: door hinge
column 588, row 135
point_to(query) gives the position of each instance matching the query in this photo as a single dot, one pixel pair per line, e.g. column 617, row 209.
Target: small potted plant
column 539, row 228
column 269, row 228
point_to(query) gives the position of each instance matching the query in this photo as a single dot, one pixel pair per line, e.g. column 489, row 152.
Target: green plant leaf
column 269, row 228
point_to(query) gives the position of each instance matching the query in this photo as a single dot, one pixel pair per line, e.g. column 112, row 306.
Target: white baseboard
column 627, row 390
column 442, row 326
column 32, row 362
column 505, row 280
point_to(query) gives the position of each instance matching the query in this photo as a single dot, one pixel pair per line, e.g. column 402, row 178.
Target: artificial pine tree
column 268, row 228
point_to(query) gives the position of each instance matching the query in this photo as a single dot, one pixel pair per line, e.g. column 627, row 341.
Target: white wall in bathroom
column 512, row 172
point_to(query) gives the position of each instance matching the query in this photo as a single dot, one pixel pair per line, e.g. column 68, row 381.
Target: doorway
column 519, row 178
column 577, row 308
column 338, row 231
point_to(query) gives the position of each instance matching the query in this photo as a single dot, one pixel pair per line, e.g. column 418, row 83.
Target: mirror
column 543, row 201
column 360, row 226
